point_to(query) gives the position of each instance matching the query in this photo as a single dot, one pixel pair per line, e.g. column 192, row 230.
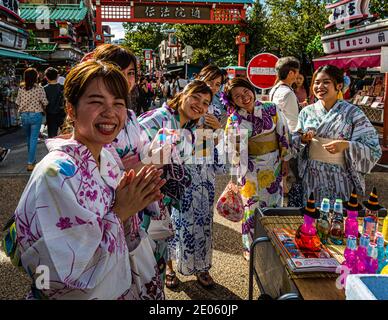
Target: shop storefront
column 355, row 44
column 13, row 40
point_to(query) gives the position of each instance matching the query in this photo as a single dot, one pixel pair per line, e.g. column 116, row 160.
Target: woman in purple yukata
column 72, row 216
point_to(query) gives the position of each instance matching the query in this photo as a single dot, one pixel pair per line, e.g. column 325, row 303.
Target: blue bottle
column 337, row 223
column 382, row 260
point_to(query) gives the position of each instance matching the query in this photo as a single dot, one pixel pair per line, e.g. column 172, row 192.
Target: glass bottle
column 350, row 253
column 351, row 224
column 385, row 228
column 380, row 250
column 337, row 224
column 323, row 224
column 362, row 254
column 371, row 259
column 370, row 222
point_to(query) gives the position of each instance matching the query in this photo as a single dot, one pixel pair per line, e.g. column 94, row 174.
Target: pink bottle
column 371, row 261
column 360, row 266
column 350, row 253
column 308, row 227
column 352, row 207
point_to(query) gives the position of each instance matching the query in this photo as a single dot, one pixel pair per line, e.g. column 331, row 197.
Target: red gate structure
column 182, row 11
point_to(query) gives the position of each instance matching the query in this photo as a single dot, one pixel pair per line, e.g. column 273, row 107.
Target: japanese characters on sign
column 173, row 12
column 378, row 38
column 12, row 5
column 342, row 12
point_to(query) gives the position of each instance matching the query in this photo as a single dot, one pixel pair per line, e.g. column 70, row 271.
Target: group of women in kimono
column 94, row 202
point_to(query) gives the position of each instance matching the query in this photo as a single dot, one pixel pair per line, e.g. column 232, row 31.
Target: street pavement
column 16, row 162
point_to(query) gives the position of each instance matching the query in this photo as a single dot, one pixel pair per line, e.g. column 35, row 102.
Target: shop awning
column 59, row 12
column 13, row 54
column 356, row 59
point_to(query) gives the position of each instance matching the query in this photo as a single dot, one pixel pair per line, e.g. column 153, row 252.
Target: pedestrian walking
column 55, row 113
column 31, row 101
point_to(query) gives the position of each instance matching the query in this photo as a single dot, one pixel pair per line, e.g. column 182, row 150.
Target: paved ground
column 230, row 270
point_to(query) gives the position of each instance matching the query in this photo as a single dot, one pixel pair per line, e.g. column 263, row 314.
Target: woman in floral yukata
column 268, row 145
column 336, row 142
column 190, row 197
column 72, row 216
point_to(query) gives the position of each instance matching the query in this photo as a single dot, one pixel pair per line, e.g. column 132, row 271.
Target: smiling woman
column 73, row 215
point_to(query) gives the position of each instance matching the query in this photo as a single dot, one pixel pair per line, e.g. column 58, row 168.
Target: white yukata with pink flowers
column 64, row 221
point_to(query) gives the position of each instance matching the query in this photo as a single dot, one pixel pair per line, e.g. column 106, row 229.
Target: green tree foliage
column 211, row 43
column 379, row 7
column 139, row 36
column 294, row 25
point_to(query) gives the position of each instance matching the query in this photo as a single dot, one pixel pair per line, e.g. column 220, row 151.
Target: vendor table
column 275, row 279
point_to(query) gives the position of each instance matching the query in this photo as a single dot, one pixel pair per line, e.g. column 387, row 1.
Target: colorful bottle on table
column 360, row 266
column 323, row 224
column 385, row 228
column 351, row 222
column 371, row 260
column 372, row 208
column 380, row 251
column 337, row 223
column 350, row 253
column 306, row 235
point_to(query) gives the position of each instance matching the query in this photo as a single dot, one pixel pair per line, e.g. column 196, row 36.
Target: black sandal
column 205, row 279
column 171, row 280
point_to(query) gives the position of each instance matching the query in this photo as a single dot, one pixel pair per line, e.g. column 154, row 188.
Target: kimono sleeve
column 79, row 245
column 283, row 135
column 364, row 147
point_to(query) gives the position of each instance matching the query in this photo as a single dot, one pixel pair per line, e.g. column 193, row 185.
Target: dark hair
column 30, row 78
column 211, row 72
column 83, row 73
column 196, row 86
column 335, row 74
column 285, row 65
column 112, row 53
column 51, row 74
column 237, row 82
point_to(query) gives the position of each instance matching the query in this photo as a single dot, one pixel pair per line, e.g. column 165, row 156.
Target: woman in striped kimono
column 336, row 142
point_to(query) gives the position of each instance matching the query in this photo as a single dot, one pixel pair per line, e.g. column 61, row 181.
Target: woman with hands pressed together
column 72, row 216
column 336, row 142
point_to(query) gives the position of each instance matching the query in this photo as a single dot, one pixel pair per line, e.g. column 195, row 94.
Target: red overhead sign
column 261, row 70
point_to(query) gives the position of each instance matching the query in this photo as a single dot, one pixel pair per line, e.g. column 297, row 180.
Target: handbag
column 230, row 204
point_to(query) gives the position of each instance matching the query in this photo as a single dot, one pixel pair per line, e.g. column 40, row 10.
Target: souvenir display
column 351, row 222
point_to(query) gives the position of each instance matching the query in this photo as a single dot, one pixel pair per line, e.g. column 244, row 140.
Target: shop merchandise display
column 8, row 93
column 337, row 223
column 372, row 208
column 323, row 224
column 351, row 222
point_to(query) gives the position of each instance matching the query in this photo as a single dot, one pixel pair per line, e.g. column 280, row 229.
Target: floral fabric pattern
column 261, row 185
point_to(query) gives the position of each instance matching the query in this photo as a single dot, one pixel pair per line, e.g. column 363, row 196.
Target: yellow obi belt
column 262, row 144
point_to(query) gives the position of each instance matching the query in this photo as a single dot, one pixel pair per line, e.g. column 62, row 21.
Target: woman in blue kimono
column 190, row 197
column 336, row 142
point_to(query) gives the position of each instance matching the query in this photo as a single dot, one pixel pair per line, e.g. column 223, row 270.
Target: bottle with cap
column 372, row 208
column 350, row 253
column 362, row 253
column 234, row 139
column 385, row 228
column 323, row 224
column 352, row 207
column 337, row 224
column 380, row 251
column 371, row 259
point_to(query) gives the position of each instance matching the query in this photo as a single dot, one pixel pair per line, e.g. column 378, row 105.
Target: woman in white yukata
column 336, row 142
column 72, row 216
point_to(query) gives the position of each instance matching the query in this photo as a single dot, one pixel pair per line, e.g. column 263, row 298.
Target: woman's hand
column 136, row 191
column 336, row 146
column 212, row 121
column 308, row 136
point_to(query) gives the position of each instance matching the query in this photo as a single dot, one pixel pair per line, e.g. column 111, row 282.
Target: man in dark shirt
column 55, row 113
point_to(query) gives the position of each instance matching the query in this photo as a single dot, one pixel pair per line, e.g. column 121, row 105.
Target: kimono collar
column 322, row 107
column 109, row 169
column 190, row 125
column 250, row 116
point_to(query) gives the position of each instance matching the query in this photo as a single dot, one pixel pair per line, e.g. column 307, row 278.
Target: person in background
column 336, row 143
column 61, row 78
column 72, row 216
column 32, row 101
column 268, row 150
column 301, row 91
column 55, row 113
